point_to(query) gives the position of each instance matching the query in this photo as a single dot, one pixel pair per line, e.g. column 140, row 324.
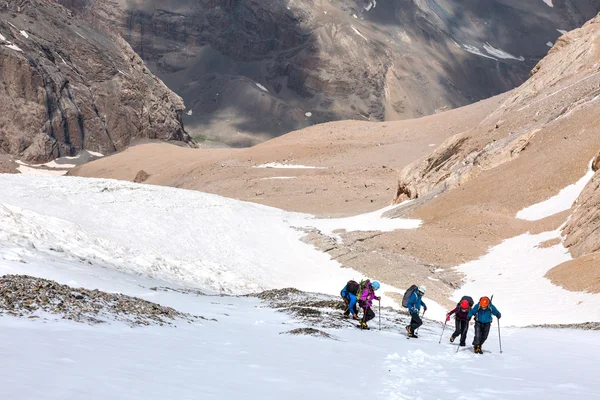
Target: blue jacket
column 484, row 316
column 415, row 302
column 351, row 297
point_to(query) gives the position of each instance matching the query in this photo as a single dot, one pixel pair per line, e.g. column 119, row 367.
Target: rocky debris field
column 22, row 295
column 325, row 312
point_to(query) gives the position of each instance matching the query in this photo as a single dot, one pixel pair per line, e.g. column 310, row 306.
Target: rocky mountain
column 469, row 172
column 67, row 85
column 251, row 70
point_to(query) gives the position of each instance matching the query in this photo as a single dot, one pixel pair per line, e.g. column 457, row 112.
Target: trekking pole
column 379, row 314
column 442, row 331
column 499, row 337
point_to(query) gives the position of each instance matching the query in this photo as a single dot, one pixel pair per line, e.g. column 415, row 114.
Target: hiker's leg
column 369, row 314
column 477, row 338
column 464, row 325
column 415, row 322
column 457, row 329
column 346, row 310
column 485, row 331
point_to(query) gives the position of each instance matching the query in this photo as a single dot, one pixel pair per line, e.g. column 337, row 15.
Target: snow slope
column 243, row 355
column 187, row 237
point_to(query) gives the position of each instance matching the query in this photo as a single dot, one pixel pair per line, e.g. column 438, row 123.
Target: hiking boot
column 452, row 339
column 476, row 349
column 412, row 335
column 462, row 345
column 407, row 327
column 363, row 325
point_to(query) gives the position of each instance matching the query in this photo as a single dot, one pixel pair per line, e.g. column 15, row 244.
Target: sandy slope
column 360, row 161
column 507, row 154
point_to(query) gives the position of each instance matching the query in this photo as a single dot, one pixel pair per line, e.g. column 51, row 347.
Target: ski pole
column 379, row 314
column 499, row 337
column 442, row 331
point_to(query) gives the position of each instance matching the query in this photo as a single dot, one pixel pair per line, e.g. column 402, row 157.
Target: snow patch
column 190, row 112
column 513, row 272
column 371, row 5
column 476, row 51
column 562, row 31
column 359, row 34
column 261, row 87
column 308, row 114
column 500, row 53
column 95, row 154
column 549, row 44
column 549, row 2
column 80, row 35
column 13, row 47
column 285, row 166
column 24, row 34
column 373, row 221
column 25, row 170
column 562, row 201
column 2, row 38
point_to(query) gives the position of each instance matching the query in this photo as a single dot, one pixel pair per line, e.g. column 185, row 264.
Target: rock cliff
column 68, row 85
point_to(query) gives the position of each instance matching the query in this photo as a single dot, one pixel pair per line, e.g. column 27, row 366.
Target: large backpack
column 352, row 287
column 408, row 294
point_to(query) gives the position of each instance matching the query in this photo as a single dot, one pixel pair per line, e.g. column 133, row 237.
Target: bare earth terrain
column 469, row 172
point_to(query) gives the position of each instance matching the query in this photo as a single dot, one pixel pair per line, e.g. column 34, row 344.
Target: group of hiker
column 363, row 294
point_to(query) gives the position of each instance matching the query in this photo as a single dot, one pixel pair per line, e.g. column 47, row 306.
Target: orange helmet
column 484, row 302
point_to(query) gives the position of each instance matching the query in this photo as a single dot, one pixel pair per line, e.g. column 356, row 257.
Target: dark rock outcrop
column 252, row 70
column 67, row 85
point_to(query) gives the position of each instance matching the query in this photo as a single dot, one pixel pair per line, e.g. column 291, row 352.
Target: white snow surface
column 514, row 273
column 549, row 2
column 243, row 354
column 359, row 34
column 186, row 237
column 286, row 166
column 190, row 112
column 2, row 38
column 558, row 203
column 475, row 50
column 308, row 114
column 549, row 44
column 13, row 47
column 24, row 34
column 500, row 53
column 562, row 31
column 95, row 153
column 261, row 87
column 372, row 221
column 26, row 170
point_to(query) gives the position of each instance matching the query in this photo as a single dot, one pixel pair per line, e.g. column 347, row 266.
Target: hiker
column 349, row 294
column 414, row 308
column 461, row 318
column 367, row 295
column 483, row 321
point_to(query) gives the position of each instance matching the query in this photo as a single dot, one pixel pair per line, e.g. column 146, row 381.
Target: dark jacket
column 460, row 314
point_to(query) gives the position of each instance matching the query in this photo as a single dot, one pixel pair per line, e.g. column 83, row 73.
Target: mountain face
column 67, row 85
column 251, row 70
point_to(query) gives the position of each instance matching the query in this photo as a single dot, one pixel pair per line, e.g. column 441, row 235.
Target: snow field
column 190, row 238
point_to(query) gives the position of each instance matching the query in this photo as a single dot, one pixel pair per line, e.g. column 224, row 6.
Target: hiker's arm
column 496, row 312
column 451, row 312
column 474, row 311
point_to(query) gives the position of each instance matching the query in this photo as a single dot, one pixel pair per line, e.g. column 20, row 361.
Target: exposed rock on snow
column 141, row 176
column 308, row 332
column 22, row 295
